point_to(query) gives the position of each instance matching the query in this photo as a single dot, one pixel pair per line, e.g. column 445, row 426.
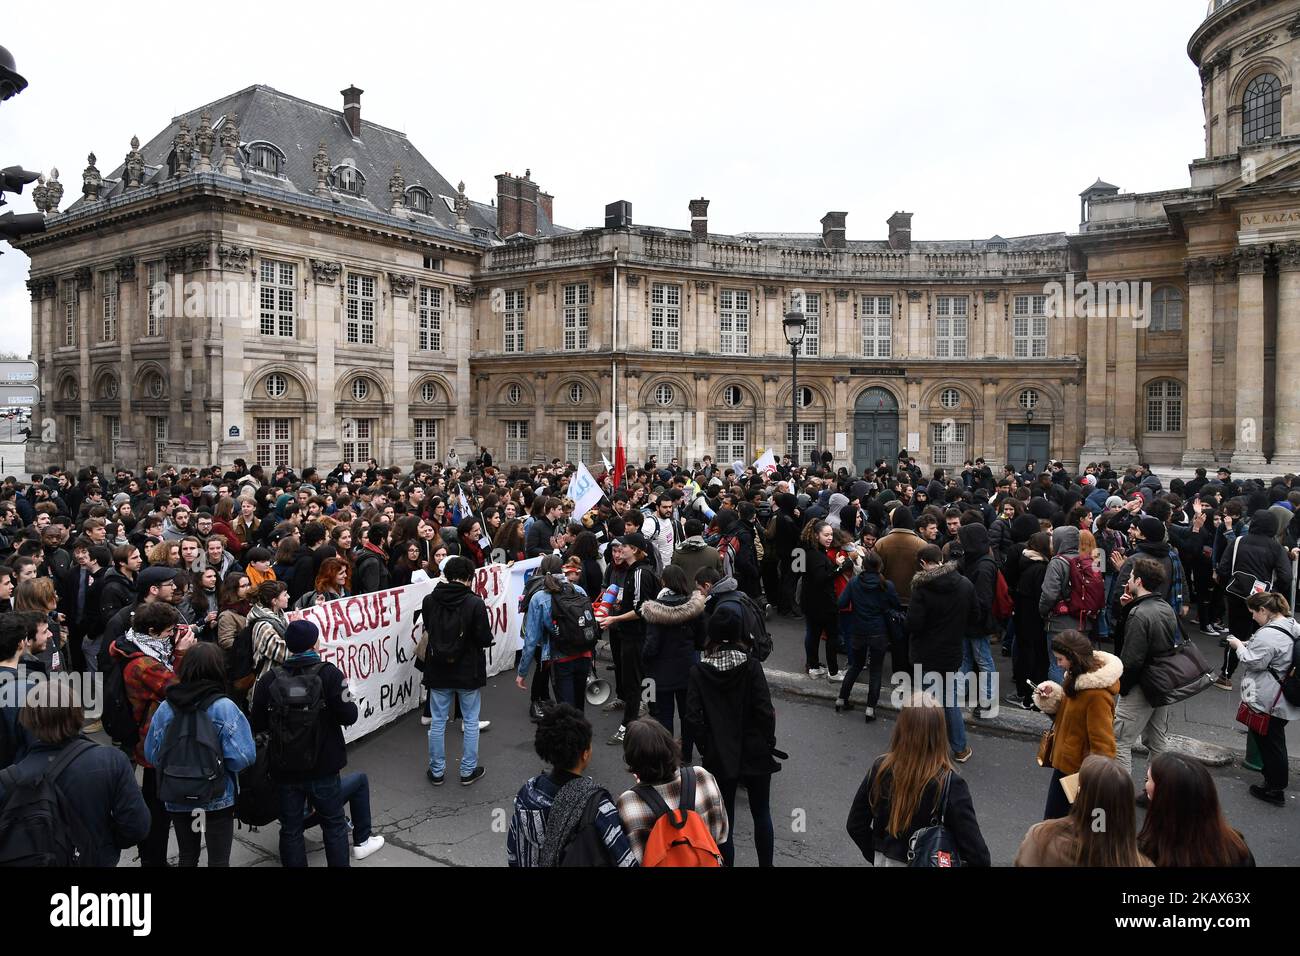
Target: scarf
column 160, row 649
column 565, row 815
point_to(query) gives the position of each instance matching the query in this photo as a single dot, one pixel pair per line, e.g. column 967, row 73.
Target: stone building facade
column 234, row 289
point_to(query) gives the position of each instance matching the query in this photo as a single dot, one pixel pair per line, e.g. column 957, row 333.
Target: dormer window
column 266, row 158
column 348, row 179
column 419, row 199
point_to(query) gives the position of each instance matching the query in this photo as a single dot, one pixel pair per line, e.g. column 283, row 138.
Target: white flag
column 609, row 469
column 465, row 509
column 738, row 467
column 584, row 491
column 766, row 463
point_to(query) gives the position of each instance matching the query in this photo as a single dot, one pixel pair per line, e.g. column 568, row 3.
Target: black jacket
column 1157, row 551
column 338, row 713
column 872, row 598
column 454, row 605
column 1030, row 626
column 101, row 791
column 818, row 600
column 302, row 579
column 114, row 592
column 640, row 584
column 870, row 829
column 731, row 715
column 943, row 610
column 371, row 573
column 675, row 635
column 537, row 540
column 1260, row 555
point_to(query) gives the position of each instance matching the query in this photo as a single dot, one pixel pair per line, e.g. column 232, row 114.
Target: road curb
column 1024, row 724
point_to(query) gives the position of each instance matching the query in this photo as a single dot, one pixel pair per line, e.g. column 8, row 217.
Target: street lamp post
column 794, row 325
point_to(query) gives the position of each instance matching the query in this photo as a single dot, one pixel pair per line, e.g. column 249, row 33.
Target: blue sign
column 234, row 431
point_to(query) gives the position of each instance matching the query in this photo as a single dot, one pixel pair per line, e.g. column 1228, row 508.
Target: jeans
column 1058, row 805
column 217, row 825
column 864, row 655
column 326, row 795
column 354, row 790
column 1135, row 718
column 1272, row 754
column 1054, row 672
column 759, row 791
column 153, row 848
column 661, row 709
column 977, row 657
column 439, row 708
column 570, row 678
column 91, row 650
column 956, row 728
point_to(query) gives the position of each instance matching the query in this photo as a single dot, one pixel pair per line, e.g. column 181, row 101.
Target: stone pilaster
column 1286, row 415
column 1248, row 453
column 1123, row 447
column 325, row 319
column 1200, row 364
column 464, row 334
column 236, row 329
column 401, row 449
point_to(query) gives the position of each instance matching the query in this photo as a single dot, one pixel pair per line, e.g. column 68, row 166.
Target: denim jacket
column 236, row 738
column 538, row 628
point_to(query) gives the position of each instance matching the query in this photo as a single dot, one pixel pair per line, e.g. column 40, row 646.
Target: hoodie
column 694, row 554
column 837, row 503
column 1056, row 582
column 981, row 570
column 729, row 707
column 454, row 605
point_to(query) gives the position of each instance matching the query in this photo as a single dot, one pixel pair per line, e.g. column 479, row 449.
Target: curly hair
column 563, row 736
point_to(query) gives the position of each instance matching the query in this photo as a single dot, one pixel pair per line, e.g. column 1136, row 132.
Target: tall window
column 812, row 330
column 665, row 317
column 157, row 280
column 732, row 444
column 662, row 437
column 113, row 426
column 948, row 442
column 108, row 307
column 950, row 326
column 69, row 313
column 430, row 319
column 1029, row 328
column 158, row 430
column 1165, row 406
column 1166, row 310
column 357, row 439
column 361, row 310
column 733, row 322
column 1261, row 109
column 272, row 439
column 516, row 441
column 877, row 332
column 577, row 309
column 577, row 441
column 807, row 441
column 277, row 290
column 514, row 312
column 426, row 439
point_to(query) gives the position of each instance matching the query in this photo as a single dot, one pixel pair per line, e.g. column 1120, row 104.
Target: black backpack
column 446, row 638
column 586, row 845
column 1290, row 680
column 239, row 663
column 191, row 763
column 754, row 621
column 257, row 804
column 118, row 717
column 297, row 705
column 37, row 825
column 575, row 624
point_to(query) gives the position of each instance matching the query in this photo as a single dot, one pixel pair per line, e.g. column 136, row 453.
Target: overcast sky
column 979, row 118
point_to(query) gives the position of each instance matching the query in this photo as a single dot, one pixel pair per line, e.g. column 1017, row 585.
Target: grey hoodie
column 1056, row 582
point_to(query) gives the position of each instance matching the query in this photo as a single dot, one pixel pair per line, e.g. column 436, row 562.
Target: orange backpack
column 679, row 837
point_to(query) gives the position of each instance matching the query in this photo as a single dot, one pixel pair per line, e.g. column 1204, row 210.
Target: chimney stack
column 528, row 204
column 507, row 205
column 900, row 231
column 547, row 202
column 352, row 109
column 699, row 219
column 833, row 230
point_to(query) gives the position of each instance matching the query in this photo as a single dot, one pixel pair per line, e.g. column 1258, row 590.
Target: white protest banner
column 372, row 638
column 766, row 463
column 584, row 491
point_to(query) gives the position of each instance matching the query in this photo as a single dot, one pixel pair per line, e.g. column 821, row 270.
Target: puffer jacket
column 870, row 598
column 1264, row 658
column 1084, row 723
column 943, row 610
column 674, row 636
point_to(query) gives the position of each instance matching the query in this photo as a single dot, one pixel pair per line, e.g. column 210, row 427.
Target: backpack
column 257, row 800
column 118, row 717
column 678, row 837
column 1004, row 604
column 728, row 549
column 1085, row 596
column 37, row 826
column 191, row 763
column 296, row 706
column 576, row 632
column 1290, row 681
column 239, row 663
column 586, row 845
column 446, row 640
column 754, row 622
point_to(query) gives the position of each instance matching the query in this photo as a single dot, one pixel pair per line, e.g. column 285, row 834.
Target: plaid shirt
column 638, row 819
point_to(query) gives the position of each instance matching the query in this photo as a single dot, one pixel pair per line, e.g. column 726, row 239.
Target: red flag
column 620, row 462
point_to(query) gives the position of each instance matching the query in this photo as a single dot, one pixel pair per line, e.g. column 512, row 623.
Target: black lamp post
column 794, row 325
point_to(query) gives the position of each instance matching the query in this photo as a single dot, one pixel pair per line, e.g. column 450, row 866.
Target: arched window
column 1165, row 406
column 950, row 398
column 348, row 179
column 276, row 385
column 418, row 198
column 1166, row 310
column 1028, row 399
column 428, row 393
column 733, row 396
column 1261, row 109
column 360, row 390
column 266, row 158
column 664, row 395
column 513, row 394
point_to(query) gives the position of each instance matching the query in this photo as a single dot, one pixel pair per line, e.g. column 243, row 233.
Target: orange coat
column 1085, row 723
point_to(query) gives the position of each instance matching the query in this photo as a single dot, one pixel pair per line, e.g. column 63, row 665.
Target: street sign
column 19, row 396
column 18, row 373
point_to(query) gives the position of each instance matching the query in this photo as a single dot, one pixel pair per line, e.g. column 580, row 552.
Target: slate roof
column 296, row 127
column 813, row 240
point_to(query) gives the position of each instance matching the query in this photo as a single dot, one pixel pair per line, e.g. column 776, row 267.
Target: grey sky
column 979, row 118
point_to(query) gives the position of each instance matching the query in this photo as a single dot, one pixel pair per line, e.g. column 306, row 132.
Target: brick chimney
column 699, row 219
column 547, row 202
column 833, row 230
column 352, row 109
column 900, row 231
column 528, row 204
column 507, row 205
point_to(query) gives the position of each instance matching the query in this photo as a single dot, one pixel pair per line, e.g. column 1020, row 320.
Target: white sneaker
column 837, row 678
column 426, row 721
column 367, row 848
column 816, row 672
column 484, row 725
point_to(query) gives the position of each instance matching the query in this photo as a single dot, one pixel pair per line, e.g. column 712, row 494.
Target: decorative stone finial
column 91, row 181
column 321, row 164
column 183, row 144
column 39, row 193
column 133, row 170
column 462, row 206
column 230, row 146
column 203, row 138
column 397, row 189
column 53, row 192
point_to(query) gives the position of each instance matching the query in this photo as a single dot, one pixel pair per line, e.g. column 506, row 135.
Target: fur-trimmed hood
column 934, row 577
column 674, row 609
column 1105, row 677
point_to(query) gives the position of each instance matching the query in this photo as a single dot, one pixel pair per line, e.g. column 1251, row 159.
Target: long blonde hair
column 918, row 753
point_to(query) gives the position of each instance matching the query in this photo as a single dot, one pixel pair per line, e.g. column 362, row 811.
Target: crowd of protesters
column 181, row 582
